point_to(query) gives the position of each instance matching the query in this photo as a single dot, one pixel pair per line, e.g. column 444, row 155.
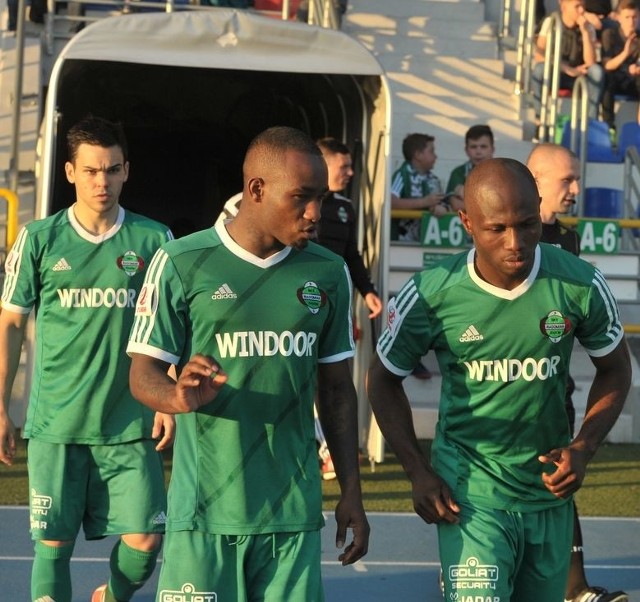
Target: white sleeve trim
column 16, row 309
column 605, row 350
column 151, row 351
column 345, row 355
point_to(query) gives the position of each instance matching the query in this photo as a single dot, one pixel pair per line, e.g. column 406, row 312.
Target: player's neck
column 547, row 217
column 94, row 222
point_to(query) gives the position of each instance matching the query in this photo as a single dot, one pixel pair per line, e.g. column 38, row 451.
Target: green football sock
column 51, row 575
column 130, row 569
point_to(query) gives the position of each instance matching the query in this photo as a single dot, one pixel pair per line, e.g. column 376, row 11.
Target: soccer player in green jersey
column 93, row 449
column 502, row 319
column 254, row 316
column 557, row 173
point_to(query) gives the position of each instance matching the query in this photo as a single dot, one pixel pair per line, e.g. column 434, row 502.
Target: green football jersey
column 504, row 358
column 83, row 289
column 247, row 462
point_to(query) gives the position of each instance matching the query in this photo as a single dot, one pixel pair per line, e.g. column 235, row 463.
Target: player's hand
column 164, row 429
column 570, row 468
column 433, row 501
column 7, row 440
column 199, row 382
column 350, row 515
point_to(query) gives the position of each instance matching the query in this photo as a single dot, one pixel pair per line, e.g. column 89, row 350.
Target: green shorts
column 278, row 566
column 109, row 489
column 494, row 555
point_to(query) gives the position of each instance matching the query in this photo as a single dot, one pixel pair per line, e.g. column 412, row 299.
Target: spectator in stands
column 578, row 56
column 557, row 174
column 600, row 14
column 620, row 56
column 415, row 186
column 479, row 146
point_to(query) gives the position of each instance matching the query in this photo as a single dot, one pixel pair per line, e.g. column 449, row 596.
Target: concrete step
column 30, row 101
column 386, row 11
column 455, row 34
column 441, row 60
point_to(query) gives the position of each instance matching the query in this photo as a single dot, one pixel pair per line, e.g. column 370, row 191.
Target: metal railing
column 550, row 77
column 322, row 13
column 525, row 47
column 579, row 125
column 628, row 238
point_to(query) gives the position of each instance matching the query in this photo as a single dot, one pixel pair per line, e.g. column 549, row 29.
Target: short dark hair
column 414, row 143
column 333, row 146
column 476, row 132
column 282, row 138
column 626, row 4
column 96, row 131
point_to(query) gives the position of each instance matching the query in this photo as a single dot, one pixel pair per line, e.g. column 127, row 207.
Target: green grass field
column 612, row 486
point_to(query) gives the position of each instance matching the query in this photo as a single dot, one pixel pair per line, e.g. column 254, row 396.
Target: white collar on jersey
column 95, row 238
column 243, row 254
column 520, row 290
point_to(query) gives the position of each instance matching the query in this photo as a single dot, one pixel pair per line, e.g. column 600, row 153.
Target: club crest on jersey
column 311, row 296
column 554, row 326
column 130, row 263
column 342, row 215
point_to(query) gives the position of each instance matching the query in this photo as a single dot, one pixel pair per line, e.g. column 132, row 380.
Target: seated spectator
column 415, row 186
column 479, row 146
column 600, row 14
column 578, row 56
column 620, row 56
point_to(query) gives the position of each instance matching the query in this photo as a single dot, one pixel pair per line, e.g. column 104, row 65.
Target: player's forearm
column 338, row 411
column 606, row 399
column 151, row 385
column 393, row 413
column 602, row 413
column 11, row 337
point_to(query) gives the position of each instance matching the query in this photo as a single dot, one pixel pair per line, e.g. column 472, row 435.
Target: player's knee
column 143, row 542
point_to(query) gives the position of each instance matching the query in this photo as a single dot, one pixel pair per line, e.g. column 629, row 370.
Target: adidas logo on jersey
column 224, row 292
column 471, row 334
column 160, row 519
column 61, row 266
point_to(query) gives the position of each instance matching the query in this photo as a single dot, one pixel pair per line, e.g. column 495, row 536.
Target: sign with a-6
column 599, row 236
column 444, row 231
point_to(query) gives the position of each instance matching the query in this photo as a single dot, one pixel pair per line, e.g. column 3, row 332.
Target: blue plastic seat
column 629, row 136
column 599, row 148
column 603, row 202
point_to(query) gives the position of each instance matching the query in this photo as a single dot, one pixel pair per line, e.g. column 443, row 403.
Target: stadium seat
column 603, row 202
column 629, row 136
column 599, row 148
